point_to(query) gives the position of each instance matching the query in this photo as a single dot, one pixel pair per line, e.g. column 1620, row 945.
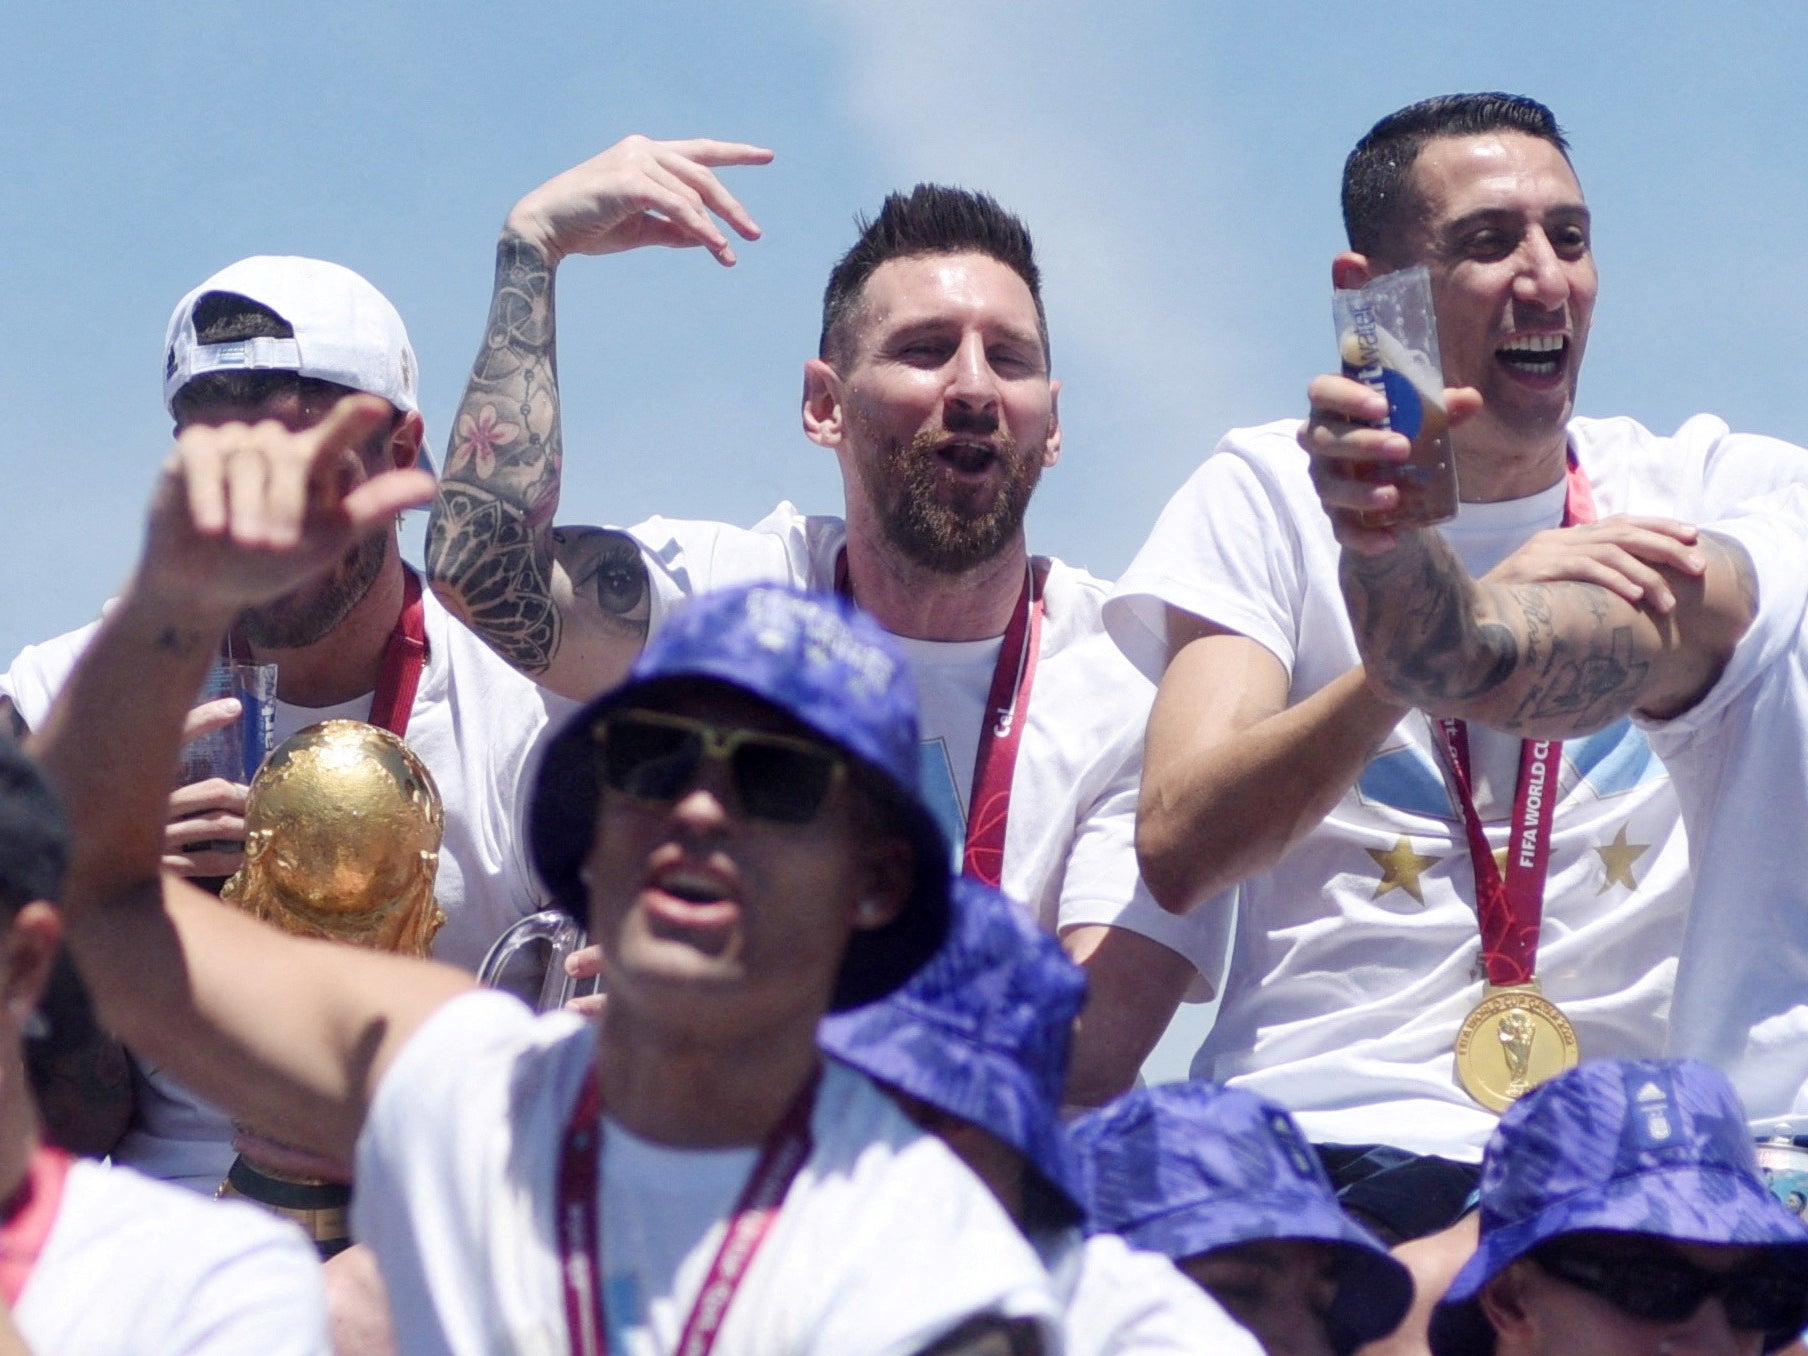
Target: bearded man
column 931, row 386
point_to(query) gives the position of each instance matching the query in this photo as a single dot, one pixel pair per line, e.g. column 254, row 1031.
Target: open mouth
column 967, row 458
column 693, row 887
column 1535, row 355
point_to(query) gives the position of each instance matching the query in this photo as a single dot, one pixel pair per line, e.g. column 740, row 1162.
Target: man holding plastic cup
column 1364, row 838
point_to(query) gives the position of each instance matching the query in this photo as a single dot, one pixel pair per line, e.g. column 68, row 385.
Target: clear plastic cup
column 1387, row 338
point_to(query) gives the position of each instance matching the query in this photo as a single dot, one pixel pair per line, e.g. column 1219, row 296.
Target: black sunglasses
column 1657, row 1285
column 655, row 756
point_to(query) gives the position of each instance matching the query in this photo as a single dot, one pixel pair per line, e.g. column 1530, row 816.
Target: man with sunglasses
column 1622, row 1214
column 931, row 386
column 738, row 825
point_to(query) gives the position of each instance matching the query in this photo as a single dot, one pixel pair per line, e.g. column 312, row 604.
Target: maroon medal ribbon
column 29, row 1216
column 579, row 1222
column 1001, row 731
column 404, row 656
column 1510, row 909
column 1007, row 712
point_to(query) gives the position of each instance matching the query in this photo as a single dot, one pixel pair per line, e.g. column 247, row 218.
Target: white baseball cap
column 345, row 330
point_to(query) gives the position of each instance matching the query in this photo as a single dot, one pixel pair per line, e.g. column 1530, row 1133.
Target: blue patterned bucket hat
column 830, row 667
column 981, row 1032
column 1188, row 1168
column 1632, row 1146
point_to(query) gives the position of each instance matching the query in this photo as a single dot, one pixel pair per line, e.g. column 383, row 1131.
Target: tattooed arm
column 1545, row 659
column 566, row 605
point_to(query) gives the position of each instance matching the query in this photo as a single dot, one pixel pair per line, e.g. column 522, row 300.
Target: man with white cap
column 284, row 339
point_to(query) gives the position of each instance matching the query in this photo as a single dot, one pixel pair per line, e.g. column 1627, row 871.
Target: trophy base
column 322, row 1209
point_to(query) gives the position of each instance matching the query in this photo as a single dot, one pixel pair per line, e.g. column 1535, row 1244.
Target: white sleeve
column 1774, row 532
column 265, row 1298
column 1744, row 466
column 38, row 673
column 687, row 556
column 444, row 1198
column 1226, row 549
column 1101, row 882
column 135, row 1265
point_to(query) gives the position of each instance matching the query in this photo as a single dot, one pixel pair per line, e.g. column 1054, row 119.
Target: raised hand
column 640, row 192
column 244, row 513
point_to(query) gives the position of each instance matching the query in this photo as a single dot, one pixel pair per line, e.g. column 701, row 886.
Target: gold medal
column 1514, row 1040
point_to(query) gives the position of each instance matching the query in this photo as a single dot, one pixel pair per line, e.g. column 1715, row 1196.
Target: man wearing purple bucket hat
column 1223, row 1182
column 740, row 822
column 975, row 1049
column 1622, row 1212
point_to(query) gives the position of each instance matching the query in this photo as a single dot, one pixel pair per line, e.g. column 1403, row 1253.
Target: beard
column 310, row 612
column 949, row 529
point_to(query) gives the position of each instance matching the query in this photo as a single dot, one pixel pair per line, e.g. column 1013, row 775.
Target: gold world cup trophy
column 342, row 834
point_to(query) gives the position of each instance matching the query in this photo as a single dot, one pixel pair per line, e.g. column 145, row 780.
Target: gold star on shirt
column 1618, row 857
column 1500, row 861
column 1401, row 868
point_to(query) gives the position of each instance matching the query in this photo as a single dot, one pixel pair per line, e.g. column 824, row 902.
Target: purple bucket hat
column 1188, row 1168
column 981, row 1032
column 1644, row 1146
column 830, row 667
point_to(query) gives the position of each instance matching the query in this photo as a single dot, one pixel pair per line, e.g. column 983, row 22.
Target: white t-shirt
column 1069, row 851
column 478, row 725
column 1356, row 956
column 135, row 1267
column 1740, row 761
column 1118, row 1300
column 883, row 1243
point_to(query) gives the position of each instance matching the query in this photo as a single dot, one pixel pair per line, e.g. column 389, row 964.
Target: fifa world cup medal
column 1513, row 1040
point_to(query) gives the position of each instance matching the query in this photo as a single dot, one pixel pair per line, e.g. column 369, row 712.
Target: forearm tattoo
column 1416, row 625
column 1571, row 656
column 489, row 544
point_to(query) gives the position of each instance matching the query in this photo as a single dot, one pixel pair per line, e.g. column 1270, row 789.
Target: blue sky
column 1178, row 163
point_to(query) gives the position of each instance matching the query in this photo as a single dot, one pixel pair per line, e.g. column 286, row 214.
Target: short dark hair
column 226, row 318
column 1375, row 176
column 34, row 835
column 930, row 219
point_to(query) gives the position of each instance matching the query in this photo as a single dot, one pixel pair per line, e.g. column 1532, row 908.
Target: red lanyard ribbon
column 1007, row 712
column 1510, row 910
column 404, row 656
column 29, row 1216
column 579, row 1222
column 1001, row 730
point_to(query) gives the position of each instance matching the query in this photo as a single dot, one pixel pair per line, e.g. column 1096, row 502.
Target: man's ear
column 1053, row 453
column 888, row 871
column 824, row 421
column 406, row 440
column 28, row 949
column 1350, row 270
column 1503, row 1302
